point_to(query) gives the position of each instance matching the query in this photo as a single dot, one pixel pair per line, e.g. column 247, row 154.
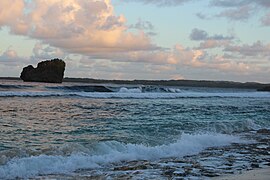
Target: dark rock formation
column 267, row 88
column 51, row 71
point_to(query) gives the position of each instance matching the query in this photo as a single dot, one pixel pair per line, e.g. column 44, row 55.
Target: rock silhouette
column 50, row 71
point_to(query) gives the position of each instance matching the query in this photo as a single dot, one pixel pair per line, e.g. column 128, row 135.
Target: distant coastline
column 187, row 83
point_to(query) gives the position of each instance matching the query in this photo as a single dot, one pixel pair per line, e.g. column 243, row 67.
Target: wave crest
column 105, row 153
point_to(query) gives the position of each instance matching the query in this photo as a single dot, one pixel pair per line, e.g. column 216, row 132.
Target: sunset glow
column 139, row 39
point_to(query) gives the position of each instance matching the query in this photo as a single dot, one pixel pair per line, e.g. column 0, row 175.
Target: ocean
column 108, row 131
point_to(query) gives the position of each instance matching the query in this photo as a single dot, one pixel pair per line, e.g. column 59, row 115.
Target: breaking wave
column 105, row 153
column 121, row 91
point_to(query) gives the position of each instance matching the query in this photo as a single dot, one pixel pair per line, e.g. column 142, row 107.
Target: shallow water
column 59, row 129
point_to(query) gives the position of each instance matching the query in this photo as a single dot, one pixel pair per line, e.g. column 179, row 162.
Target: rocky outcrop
column 50, row 71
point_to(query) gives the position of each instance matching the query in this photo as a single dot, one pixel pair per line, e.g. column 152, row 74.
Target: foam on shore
column 110, row 152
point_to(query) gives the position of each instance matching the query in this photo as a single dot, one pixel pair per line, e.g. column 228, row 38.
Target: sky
column 139, row 39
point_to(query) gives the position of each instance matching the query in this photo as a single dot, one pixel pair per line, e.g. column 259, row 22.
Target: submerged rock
column 50, row 71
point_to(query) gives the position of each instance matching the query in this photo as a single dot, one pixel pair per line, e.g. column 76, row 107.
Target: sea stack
column 49, row 71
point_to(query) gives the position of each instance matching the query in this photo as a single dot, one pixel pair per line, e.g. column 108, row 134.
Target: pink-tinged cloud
column 78, row 26
column 209, row 44
column 222, row 64
column 10, row 10
column 185, row 56
column 91, row 29
column 161, row 2
column 177, row 57
column 11, row 59
column 201, row 59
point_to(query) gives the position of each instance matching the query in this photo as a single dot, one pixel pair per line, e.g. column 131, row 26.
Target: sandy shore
column 258, row 174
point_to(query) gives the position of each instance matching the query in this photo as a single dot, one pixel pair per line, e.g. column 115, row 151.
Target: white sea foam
column 174, row 90
column 110, row 152
column 132, row 90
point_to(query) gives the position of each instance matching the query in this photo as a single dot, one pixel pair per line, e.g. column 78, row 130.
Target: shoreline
column 258, row 174
column 186, row 82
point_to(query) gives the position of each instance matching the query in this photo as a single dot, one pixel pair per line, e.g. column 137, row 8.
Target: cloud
column 76, row 26
column 179, row 57
column 222, row 64
column 153, row 57
column 265, row 3
column 200, row 59
column 241, row 10
column 202, row 16
column 11, row 60
column 254, row 50
column 212, row 43
column 127, row 70
column 266, row 20
column 142, row 25
column 109, row 46
column 238, row 3
column 217, row 3
column 200, row 35
column 172, row 63
column 9, row 55
column 42, row 51
column 226, row 3
column 208, row 41
column 145, row 26
column 10, row 10
column 161, row 2
column 238, row 14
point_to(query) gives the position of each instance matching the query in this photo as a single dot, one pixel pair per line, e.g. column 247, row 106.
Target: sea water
column 61, row 129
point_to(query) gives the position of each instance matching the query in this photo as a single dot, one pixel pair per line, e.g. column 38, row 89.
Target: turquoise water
column 48, row 129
